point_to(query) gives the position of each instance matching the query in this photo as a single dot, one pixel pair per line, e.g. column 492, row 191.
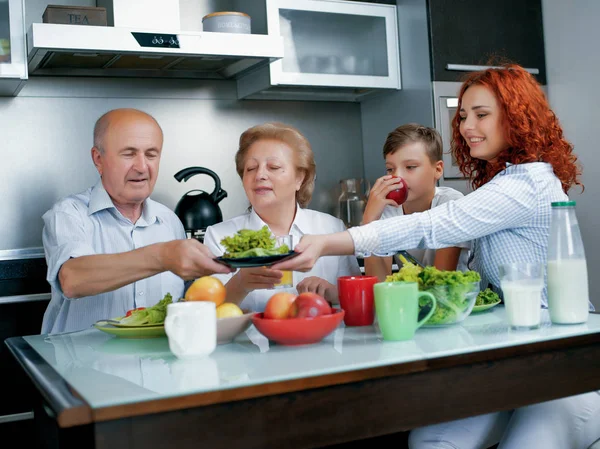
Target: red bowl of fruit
column 298, row 331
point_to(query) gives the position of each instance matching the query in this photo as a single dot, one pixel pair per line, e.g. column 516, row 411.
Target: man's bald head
column 104, row 123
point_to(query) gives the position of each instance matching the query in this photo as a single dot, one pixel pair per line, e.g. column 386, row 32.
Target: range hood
column 75, row 50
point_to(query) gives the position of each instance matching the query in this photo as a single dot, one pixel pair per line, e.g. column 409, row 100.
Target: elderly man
column 111, row 248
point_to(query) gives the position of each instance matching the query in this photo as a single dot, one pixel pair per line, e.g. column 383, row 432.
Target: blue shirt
column 508, row 219
column 88, row 223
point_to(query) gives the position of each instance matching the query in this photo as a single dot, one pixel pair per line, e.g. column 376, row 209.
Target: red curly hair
column 531, row 128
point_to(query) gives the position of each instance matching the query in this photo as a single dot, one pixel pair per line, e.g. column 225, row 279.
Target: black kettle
column 199, row 210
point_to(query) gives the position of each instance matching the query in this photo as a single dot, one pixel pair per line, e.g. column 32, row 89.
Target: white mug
column 192, row 328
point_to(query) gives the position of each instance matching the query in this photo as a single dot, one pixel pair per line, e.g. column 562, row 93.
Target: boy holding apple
column 413, row 163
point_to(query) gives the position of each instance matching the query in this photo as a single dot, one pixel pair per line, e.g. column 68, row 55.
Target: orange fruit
column 206, row 288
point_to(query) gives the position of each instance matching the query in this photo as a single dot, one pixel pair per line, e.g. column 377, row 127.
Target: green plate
column 484, row 307
column 131, row 332
column 119, row 318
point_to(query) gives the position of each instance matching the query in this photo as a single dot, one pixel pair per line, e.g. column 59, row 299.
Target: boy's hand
column 377, row 198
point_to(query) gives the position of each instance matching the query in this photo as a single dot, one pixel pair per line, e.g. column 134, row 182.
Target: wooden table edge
column 68, row 406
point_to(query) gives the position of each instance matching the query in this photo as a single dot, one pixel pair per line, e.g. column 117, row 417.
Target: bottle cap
column 563, row 204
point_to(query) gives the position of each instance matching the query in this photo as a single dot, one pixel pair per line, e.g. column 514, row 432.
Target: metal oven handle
column 476, row 68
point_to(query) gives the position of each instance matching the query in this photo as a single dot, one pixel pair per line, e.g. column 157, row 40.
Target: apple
column 309, row 305
column 278, row 306
column 398, row 195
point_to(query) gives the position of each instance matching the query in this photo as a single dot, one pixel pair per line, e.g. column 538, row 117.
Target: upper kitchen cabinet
column 13, row 66
column 466, row 33
column 333, row 50
column 146, row 39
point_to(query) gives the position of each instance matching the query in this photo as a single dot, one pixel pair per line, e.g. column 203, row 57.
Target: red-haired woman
column 510, row 144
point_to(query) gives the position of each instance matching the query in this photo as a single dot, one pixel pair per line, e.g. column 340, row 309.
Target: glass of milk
column 522, row 284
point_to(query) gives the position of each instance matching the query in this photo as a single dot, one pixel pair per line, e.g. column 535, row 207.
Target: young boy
column 414, row 153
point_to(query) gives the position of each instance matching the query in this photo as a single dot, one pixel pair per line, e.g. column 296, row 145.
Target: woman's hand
column 311, row 247
column 250, row 279
column 319, row 286
column 377, row 197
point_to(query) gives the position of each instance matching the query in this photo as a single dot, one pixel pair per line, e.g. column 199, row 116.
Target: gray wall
column 46, row 136
column 573, row 64
column 414, row 103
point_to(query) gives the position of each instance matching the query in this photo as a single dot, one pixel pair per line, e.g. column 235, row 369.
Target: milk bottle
column 568, row 297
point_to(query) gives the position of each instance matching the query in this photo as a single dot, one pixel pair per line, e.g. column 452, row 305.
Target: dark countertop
column 23, row 275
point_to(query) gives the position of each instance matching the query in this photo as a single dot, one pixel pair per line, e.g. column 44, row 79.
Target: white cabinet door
column 335, row 43
column 13, row 64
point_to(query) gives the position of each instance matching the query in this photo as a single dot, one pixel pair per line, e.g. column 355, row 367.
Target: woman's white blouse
column 306, row 222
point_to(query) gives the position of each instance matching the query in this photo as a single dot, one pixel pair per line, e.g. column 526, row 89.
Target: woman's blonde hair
column 303, row 155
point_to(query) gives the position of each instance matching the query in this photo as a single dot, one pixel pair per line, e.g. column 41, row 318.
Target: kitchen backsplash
column 47, row 136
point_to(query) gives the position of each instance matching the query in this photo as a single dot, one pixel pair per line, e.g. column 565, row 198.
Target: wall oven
column 445, row 95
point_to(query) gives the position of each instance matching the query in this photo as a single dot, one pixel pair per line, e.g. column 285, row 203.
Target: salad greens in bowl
column 455, row 291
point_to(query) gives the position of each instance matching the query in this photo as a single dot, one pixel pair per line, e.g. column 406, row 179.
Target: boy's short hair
column 411, row 133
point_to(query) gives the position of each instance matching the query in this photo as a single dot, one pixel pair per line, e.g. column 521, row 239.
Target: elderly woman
column 277, row 167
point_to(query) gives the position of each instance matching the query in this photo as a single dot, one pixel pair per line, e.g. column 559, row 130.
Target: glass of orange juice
column 287, row 279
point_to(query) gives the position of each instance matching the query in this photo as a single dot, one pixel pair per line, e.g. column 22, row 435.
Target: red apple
column 399, row 195
column 278, row 306
column 309, row 305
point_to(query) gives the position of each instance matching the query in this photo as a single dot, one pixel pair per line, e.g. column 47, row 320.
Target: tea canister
column 227, row 22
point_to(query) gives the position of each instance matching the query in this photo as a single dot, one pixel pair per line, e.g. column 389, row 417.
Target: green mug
column 397, row 309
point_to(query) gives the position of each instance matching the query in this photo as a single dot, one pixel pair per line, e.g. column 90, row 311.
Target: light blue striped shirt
column 508, row 219
column 88, row 223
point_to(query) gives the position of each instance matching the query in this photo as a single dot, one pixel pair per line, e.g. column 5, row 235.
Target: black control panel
column 157, row 40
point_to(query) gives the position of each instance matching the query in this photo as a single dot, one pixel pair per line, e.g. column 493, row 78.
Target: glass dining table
column 110, row 392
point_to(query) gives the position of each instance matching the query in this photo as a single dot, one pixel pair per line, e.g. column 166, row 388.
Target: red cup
column 357, row 299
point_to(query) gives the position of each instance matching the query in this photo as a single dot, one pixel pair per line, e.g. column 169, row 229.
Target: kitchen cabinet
column 24, row 296
column 333, row 50
column 464, row 33
column 13, row 62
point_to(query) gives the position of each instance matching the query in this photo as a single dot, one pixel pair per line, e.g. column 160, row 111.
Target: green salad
column 151, row 315
column 248, row 243
column 453, row 290
column 486, row 297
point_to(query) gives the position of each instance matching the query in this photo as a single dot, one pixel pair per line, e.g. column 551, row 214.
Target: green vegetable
column 487, row 296
column 152, row 315
column 248, row 243
column 453, row 290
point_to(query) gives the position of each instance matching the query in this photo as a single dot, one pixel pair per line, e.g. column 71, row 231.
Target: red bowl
column 298, row 331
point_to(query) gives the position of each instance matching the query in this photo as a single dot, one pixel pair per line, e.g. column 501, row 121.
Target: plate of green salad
column 486, row 299
column 248, row 248
column 140, row 322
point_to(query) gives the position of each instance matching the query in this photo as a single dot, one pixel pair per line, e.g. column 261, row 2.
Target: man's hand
column 377, row 198
column 250, row 279
column 319, row 286
column 189, row 259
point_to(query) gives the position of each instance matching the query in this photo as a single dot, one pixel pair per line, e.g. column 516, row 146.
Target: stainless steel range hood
column 75, row 50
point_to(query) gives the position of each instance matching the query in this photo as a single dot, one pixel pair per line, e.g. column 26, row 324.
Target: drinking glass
column 522, row 284
column 287, row 279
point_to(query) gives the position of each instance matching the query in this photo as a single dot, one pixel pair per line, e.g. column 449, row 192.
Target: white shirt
column 427, row 256
column 508, row 218
column 306, row 222
column 88, row 223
